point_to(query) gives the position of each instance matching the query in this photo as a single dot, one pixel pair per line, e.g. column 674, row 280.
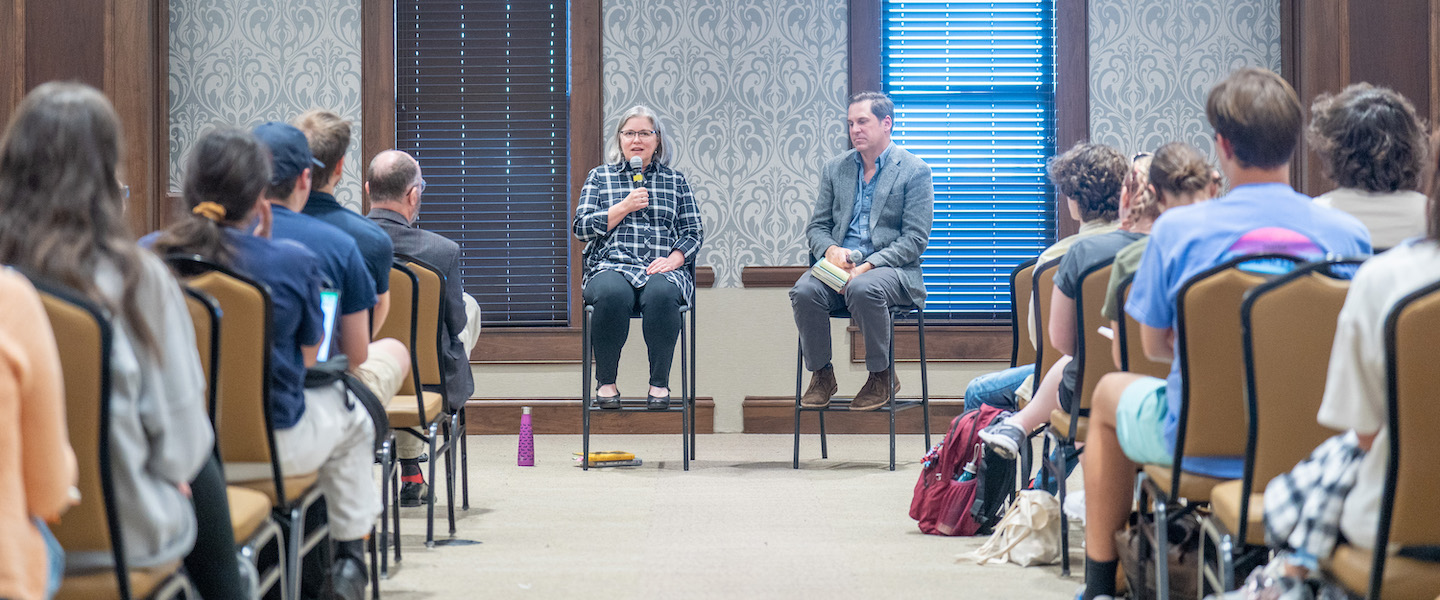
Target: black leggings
column 212, row 564
column 658, row 302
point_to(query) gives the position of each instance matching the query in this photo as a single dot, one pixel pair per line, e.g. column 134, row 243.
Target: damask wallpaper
column 244, row 62
column 753, row 96
column 1152, row 62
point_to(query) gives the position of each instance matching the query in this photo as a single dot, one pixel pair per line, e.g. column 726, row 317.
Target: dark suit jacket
column 900, row 215
column 444, row 255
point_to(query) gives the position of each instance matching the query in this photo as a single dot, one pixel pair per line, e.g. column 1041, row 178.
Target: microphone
column 637, row 164
column 856, row 257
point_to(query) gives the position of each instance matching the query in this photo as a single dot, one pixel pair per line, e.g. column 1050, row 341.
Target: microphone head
column 636, row 163
column 856, row 257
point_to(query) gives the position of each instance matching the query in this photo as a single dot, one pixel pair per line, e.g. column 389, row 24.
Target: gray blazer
column 443, row 254
column 900, row 215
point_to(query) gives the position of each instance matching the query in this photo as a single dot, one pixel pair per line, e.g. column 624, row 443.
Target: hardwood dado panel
column 943, row 343
column 562, row 415
column 776, row 414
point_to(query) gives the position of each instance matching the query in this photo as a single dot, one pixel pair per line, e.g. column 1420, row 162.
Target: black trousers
column 212, row 564
column 658, row 302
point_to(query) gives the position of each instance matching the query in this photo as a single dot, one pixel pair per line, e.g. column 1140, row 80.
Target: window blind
column 483, row 104
column 973, row 85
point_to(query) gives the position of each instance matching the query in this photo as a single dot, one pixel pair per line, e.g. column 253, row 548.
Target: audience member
column 1371, row 143
column 1057, row 388
column 383, row 364
column 1177, row 175
column 61, row 218
column 37, row 475
column 394, row 184
column 1355, row 402
column 1089, row 177
column 1257, row 121
column 319, row 429
column 329, row 137
column 637, row 224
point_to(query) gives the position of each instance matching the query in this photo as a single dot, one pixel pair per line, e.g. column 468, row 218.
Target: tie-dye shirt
column 1251, row 219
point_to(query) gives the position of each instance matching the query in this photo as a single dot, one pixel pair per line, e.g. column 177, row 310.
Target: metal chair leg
column 585, row 378
column 893, row 376
column 1162, row 546
column 799, row 369
column 924, row 380
column 464, row 436
column 432, row 432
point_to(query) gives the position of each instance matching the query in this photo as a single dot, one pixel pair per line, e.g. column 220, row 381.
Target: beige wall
column 747, row 348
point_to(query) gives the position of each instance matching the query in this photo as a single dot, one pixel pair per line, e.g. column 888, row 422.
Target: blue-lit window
column 974, row 90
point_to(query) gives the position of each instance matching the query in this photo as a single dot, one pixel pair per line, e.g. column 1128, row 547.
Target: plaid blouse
column 671, row 222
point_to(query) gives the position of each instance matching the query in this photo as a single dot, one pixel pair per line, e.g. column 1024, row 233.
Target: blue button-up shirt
column 858, row 236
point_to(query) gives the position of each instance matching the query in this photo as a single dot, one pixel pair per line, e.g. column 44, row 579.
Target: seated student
column 36, row 477
column 316, row 429
column 394, row 184
column 1371, row 143
column 1171, row 180
column 1009, row 436
column 382, row 364
column 1257, row 120
column 1089, row 176
column 329, row 137
column 1355, row 397
column 61, row 218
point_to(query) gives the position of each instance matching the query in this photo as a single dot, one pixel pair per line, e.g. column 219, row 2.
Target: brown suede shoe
column 875, row 393
column 822, row 387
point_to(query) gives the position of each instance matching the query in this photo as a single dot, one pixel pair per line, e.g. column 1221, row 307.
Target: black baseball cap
column 289, row 150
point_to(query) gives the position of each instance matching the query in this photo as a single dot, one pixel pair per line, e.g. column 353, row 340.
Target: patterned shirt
column 671, row 222
column 858, row 236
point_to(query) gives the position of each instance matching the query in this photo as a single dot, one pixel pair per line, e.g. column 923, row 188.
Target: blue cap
column 289, row 151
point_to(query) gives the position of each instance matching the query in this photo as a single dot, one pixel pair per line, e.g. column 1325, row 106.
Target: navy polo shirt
column 292, row 274
column 340, row 259
column 375, row 247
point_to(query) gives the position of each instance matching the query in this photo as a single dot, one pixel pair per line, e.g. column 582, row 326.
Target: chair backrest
column 1414, row 406
column 1288, row 328
column 1092, row 350
column 1132, row 351
column 1212, row 362
column 242, row 398
column 205, row 317
column 1022, row 281
column 429, row 344
column 1044, row 288
column 83, row 337
column 405, row 309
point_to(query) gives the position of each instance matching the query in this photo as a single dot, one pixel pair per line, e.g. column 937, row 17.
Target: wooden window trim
column 946, row 342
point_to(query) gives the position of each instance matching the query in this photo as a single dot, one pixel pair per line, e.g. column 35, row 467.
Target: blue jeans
column 996, row 389
column 56, row 558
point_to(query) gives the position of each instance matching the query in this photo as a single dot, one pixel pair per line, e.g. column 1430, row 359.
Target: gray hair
column 617, row 151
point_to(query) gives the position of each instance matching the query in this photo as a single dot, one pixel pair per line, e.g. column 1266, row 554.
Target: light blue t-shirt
column 1251, row 219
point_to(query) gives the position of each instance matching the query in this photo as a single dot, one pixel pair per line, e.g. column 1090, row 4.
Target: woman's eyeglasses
column 643, row 134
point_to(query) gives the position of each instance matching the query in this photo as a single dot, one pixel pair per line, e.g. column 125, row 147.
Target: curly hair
column 1369, row 138
column 1091, row 175
column 1144, row 204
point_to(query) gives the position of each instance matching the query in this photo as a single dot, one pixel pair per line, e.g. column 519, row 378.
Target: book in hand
column 829, row 274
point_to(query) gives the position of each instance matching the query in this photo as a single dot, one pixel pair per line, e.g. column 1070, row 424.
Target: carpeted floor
column 740, row 524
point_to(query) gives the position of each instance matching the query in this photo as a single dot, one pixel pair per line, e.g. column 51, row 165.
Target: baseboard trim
column 562, row 415
column 776, row 414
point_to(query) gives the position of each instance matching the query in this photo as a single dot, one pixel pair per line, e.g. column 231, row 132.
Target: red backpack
column 943, row 504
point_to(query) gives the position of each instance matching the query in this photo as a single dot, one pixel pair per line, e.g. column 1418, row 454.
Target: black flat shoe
column 607, row 402
column 657, row 402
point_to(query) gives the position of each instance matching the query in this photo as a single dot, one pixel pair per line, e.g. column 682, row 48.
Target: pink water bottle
column 526, row 457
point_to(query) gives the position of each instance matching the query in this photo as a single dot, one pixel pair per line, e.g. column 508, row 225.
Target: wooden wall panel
column 1329, row 44
column 377, row 83
column 12, row 44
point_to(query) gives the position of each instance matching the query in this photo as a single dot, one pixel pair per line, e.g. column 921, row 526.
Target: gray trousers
column 867, row 297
